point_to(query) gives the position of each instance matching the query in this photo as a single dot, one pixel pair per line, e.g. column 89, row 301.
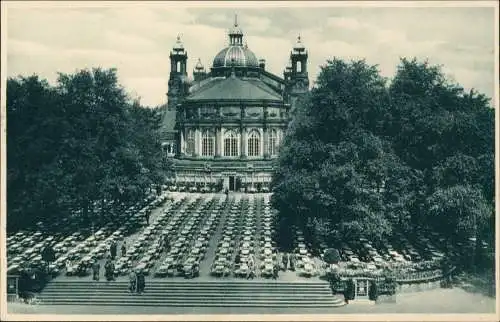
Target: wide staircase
column 269, row 294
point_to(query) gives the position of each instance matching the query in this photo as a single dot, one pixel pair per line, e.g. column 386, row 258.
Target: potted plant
column 373, row 291
column 349, row 291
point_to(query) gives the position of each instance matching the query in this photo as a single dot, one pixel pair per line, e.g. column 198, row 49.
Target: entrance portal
column 362, row 288
column 231, row 183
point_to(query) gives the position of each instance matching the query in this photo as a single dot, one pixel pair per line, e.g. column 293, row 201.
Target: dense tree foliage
column 363, row 157
column 76, row 147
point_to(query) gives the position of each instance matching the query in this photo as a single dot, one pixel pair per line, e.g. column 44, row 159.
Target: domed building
column 224, row 127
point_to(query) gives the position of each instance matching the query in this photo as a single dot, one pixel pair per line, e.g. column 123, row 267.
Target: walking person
column 96, row 268
column 132, row 287
column 112, row 250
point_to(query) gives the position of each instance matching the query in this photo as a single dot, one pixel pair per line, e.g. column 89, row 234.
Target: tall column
column 218, row 142
column 243, row 137
column 195, row 147
column 198, row 141
column 265, row 139
column 182, row 149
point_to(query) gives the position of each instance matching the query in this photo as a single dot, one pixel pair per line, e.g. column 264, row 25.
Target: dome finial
column 199, row 65
column 178, row 46
column 236, row 34
column 299, row 46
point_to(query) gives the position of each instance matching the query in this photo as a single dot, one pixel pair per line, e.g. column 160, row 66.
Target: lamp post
column 250, row 169
column 208, row 171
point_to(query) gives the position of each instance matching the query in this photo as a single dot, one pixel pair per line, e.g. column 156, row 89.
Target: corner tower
column 178, row 73
column 297, row 72
column 199, row 72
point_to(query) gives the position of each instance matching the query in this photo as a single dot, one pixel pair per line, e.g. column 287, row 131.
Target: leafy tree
column 332, row 165
column 363, row 158
column 458, row 212
column 32, row 127
column 76, row 147
column 446, row 134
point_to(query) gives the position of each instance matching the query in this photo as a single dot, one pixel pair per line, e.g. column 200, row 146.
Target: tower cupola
column 236, row 34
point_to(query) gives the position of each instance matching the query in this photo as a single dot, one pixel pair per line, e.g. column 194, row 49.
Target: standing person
column 284, row 260
column 112, row 271
column 147, row 214
column 292, row 262
column 275, row 271
column 249, row 271
column 124, row 248
column 141, row 282
column 166, row 243
column 96, row 268
column 112, row 249
column 107, row 270
column 49, row 256
column 69, row 268
column 132, row 277
column 250, row 268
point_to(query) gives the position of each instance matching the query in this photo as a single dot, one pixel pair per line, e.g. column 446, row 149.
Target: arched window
column 299, row 66
column 254, row 144
column 207, row 143
column 190, row 143
column 273, row 142
column 231, row 144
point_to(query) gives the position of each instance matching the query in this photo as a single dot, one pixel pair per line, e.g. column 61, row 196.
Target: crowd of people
column 137, row 281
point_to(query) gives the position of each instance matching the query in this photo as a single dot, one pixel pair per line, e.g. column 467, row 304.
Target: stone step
column 204, row 304
column 189, row 287
column 188, row 295
column 221, row 283
column 191, row 294
column 129, row 299
column 220, row 301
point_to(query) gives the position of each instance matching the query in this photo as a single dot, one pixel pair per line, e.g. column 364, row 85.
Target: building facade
column 225, row 126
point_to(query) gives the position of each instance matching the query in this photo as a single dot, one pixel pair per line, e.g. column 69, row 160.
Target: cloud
column 344, row 23
column 137, row 39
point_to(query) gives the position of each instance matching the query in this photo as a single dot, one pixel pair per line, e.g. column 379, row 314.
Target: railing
column 402, row 276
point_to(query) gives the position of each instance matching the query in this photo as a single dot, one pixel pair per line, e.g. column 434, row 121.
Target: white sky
column 137, row 39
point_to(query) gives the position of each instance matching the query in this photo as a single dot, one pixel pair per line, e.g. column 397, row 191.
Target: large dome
column 238, row 56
